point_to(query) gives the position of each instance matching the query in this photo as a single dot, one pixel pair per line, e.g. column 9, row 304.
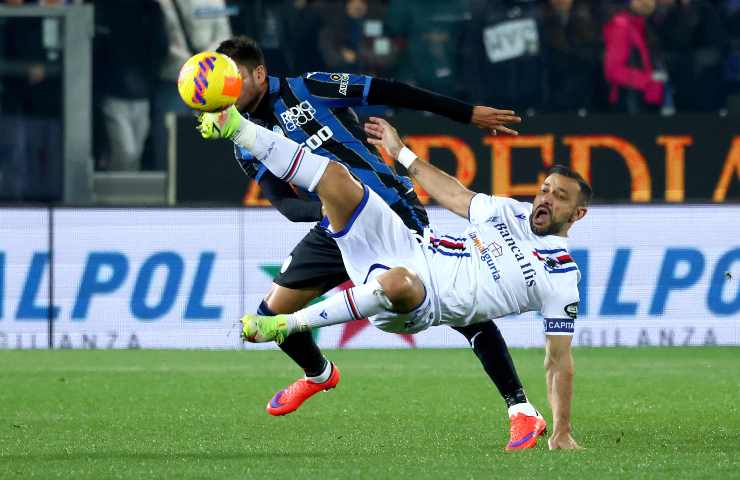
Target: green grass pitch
column 641, row 413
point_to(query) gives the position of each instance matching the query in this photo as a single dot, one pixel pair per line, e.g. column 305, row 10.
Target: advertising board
column 181, row 278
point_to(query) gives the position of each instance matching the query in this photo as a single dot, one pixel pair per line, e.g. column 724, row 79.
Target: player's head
column 251, row 62
column 562, row 200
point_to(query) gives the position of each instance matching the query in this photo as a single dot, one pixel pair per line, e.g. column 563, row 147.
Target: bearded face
column 556, row 207
column 545, row 222
column 252, row 87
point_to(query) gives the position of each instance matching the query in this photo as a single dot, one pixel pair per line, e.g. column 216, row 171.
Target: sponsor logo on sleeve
column 343, row 80
column 572, row 310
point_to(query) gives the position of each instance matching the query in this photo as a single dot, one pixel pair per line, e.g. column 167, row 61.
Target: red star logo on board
column 356, row 326
column 350, row 329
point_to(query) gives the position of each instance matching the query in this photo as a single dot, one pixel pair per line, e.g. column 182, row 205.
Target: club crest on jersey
column 298, row 115
column 496, row 249
column 278, row 130
column 556, row 261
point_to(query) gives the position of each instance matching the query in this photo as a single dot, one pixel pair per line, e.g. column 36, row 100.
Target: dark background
column 207, row 172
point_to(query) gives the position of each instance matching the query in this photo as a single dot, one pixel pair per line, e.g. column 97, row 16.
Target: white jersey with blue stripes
column 499, row 267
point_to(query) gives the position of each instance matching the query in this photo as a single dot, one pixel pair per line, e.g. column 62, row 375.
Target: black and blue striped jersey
column 316, row 109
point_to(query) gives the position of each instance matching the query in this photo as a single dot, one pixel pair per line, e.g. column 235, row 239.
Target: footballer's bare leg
column 397, row 290
column 404, row 289
column 288, row 300
column 290, row 161
column 341, row 195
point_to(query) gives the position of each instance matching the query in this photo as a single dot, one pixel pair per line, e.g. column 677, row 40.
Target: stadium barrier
column 181, row 278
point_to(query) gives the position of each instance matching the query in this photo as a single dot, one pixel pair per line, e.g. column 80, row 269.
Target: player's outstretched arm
column 287, row 202
column 559, row 372
column 280, row 194
column 445, row 189
column 399, row 94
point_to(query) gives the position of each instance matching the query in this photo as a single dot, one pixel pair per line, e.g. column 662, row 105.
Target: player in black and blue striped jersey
column 316, row 109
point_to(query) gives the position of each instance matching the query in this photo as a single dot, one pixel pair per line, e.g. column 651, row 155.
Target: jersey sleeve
column 252, row 167
column 399, row 94
column 282, row 196
column 338, row 89
column 560, row 309
column 483, row 207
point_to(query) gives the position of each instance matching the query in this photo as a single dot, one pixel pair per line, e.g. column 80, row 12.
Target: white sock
column 288, row 160
column 246, row 135
column 324, row 376
column 354, row 303
column 525, row 408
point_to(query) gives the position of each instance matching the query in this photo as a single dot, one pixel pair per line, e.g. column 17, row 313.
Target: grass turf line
column 641, row 413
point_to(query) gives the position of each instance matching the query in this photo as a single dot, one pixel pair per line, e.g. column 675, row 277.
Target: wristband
column 406, row 157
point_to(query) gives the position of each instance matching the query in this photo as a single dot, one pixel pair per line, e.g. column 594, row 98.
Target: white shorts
column 375, row 240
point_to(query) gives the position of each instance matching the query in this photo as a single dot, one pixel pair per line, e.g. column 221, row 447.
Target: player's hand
column 494, row 120
column 382, row 134
column 562, row 441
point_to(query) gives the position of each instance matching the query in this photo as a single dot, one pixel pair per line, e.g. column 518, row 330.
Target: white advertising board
column 181, row 278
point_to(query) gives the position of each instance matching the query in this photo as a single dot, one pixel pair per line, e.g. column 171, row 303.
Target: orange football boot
column 289, row 399
column 525, row 429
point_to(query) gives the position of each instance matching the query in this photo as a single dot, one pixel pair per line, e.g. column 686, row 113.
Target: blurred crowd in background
column 535, row 56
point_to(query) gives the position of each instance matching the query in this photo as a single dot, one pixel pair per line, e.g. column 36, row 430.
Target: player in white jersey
column 512, row 259
column 513, row 269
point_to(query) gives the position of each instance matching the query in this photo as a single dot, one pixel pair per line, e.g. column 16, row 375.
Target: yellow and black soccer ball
column 209, row 81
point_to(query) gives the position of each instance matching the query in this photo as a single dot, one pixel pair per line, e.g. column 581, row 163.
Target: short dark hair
column 585, row 191
column 243, row 50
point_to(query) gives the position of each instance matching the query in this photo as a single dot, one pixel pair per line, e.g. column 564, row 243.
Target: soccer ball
column 209, row 81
